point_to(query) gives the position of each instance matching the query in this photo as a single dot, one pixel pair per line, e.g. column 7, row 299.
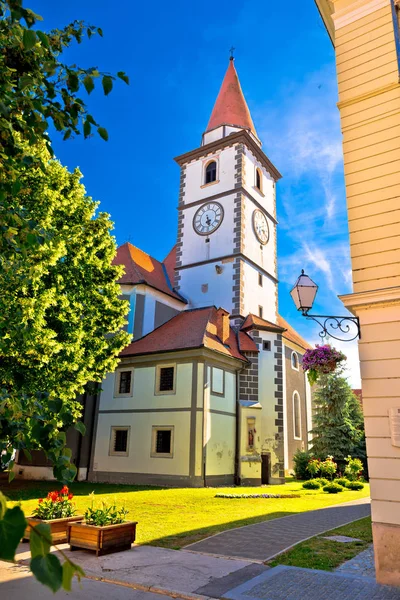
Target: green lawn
column 173, row 518
column 326, row 555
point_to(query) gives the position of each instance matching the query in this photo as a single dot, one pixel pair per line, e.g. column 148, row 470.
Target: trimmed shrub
column 322, row 481
column 301, row 459
column 355, row 485
column 333, row 488
column 343, row 481
column 311, row 484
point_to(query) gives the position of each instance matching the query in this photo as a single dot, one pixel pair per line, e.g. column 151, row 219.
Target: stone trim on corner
column 179, row 237
column 279, row 420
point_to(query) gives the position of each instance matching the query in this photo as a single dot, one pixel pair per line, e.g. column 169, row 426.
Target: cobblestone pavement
column 361, row 565
column 292, row 583
column 262, row 541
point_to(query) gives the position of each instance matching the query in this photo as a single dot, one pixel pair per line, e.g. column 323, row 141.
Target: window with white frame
column 296, row 416
column 217, row 381
column 295, row 361
column 162, row 443
column 123, row 383
column 165, row 379
column 119, row 441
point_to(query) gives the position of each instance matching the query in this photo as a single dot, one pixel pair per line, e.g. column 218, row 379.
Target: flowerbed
column 236, row 496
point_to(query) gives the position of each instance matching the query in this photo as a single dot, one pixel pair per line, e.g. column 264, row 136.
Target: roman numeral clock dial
column 208, row 218
column 260, row 225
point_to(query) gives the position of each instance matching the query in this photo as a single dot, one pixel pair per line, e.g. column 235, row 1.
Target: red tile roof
column 255, row 322
column 169, row 263
column 196, row 328
column 246, row 343
column 143, row 268
column 230, row 107
column 282, row 326
column 291, row 334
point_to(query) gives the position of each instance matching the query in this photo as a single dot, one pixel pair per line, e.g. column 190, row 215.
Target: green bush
column 333, row 488
column 355, row 485
column 300, row 460
column 311, row 484
column 343, row 481
column 353, row 468
column 322, row 481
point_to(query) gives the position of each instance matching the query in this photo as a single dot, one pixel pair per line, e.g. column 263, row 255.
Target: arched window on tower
column 295, row 361
column 258, row 180
column 211, row 172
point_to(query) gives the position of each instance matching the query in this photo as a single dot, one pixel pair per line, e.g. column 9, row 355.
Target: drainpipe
column 238, row 417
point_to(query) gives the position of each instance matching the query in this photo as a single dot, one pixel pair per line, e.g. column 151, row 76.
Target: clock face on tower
column 260, row 225
column 208, row 218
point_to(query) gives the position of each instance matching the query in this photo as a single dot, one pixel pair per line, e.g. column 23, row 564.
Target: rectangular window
column 251, row 431
column 260, row 312
column 217, row 381
column 296, row 416
column 123, row 385
column 162, row 442
column 260, row 280
column 166, row 379
column 266, row 345
column 125, row 378
column 119, row 441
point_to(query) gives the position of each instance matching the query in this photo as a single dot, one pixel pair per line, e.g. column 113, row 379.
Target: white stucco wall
column 194, row 182
column 195, row 248
column 219, row 286
column 255, row 295
column 151, row 297
column 267, row 197
column 143, row 396
column 267, row 387
column 264, row 256
column 140, row 440
column 218, row 133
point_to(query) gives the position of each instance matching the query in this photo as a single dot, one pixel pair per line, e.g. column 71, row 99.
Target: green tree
column 61, row 316
column 337, row 429
column 61, row 327
column 38, row 88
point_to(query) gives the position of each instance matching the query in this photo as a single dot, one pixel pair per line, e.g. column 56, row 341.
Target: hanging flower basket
column 321, row 360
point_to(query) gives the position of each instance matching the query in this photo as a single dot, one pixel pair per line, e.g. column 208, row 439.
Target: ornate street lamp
column 303, row 294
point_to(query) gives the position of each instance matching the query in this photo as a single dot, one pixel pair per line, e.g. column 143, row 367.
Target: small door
column 264, row 469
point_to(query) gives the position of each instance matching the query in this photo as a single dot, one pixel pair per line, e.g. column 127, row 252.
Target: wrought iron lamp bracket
column 335, row 324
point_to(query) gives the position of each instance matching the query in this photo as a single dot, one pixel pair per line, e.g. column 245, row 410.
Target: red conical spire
column 230, row 107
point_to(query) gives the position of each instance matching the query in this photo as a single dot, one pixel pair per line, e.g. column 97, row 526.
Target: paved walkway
column 362, row 565
column 262, row 541
column 17, row 583
column 292, row 583
column 158, row 570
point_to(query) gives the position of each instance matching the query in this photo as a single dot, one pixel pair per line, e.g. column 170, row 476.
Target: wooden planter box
column 103, row 540
column 58, row 527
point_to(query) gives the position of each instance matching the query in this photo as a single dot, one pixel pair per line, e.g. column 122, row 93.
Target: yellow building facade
column 365, row 34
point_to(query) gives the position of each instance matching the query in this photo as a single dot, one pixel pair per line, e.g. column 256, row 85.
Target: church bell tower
column 226, row 246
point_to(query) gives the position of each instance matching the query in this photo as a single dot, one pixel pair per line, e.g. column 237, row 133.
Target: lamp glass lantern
column 303, row 293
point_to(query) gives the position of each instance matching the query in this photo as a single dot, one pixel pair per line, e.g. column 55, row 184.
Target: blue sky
column 176, row 54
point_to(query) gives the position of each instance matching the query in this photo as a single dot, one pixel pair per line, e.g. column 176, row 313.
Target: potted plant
column 57, row 510
column 104, row 530
column 321, row 359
